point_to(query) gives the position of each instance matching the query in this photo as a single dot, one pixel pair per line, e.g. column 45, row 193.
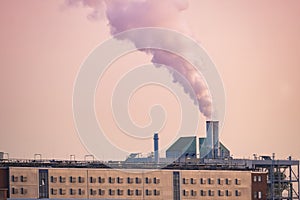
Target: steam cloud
column 123, row 15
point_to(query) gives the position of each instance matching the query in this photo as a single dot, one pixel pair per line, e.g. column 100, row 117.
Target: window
column 255, row 195
column 72, row 179
column 111, row 180
column 138, row 180
column 81, row 179
column 23, row 179
column 53, row 179
column 62, row 179
column 92, row 180
column 237, row 181
column 120, row 192
column 147, row 180
column 81, row 191
column 138, row 192
column 129, row 192
column 237, row 193
column 14, row 190
column 220, row 193
column 156, row 180
column 202, row 193
column 92, row 192
column 148, row 192
column 185, row 181
column 210, row 181
column 101, row 192
column 193, row 181
column 101, row 180
column 185, row 193
column 259, row 196
column 111, row 192
column 119, row 180
column 53, row 191
column 220, row 181
column 72, row 191
column 14, row 178
column 202, row 181
column 62, row 191
column 156, row 192
column 210, row 193
column 23, row 191
column 129, row 180
column 193, row 193
column 254, row 178
column 259, row 178
column 227, row 181
column 228, row 193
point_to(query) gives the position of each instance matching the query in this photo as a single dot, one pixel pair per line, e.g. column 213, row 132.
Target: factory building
column 91, row 183
column 209, row 147
column 194, row 168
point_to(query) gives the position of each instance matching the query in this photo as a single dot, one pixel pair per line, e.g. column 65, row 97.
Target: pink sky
column 255, row 46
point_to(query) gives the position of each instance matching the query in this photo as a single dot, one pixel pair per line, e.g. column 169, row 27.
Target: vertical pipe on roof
column 155, row 140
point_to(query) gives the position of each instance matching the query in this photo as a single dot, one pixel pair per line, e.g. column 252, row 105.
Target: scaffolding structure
column 283, row 178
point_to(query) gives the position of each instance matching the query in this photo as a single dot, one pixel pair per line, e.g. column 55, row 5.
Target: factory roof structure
column 184, row 145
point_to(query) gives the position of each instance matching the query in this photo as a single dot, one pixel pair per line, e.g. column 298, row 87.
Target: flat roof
column 191, row 164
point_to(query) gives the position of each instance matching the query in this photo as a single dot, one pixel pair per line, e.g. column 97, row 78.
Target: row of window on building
column 101, row 192
column 18, row 190
column 137, row 180
column 211, row 193
column 211, row 181
column 137, row 192
column 119, row 180
column 18, row 178
column 256, row 178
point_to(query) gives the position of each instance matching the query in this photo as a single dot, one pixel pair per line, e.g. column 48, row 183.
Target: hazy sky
column 255, row 46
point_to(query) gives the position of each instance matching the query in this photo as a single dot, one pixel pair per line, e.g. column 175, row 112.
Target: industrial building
column 189, row 171
column 209, row 147
column 184, row 148
column 93, row 183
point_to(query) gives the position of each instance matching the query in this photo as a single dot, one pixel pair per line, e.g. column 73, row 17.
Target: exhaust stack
column 212, row 137
column 155, row 140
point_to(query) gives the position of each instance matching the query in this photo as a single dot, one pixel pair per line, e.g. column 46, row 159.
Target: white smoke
column 124, row 15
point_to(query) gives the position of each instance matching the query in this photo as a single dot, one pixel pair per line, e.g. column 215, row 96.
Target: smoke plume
column 124, row 15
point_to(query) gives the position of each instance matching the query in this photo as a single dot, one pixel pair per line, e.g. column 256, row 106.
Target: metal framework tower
column 283, row 178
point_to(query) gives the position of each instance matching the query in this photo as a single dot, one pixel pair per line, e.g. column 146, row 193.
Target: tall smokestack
column 155, row 140
column 216, row 142
column 209, row 139
column 212, row 138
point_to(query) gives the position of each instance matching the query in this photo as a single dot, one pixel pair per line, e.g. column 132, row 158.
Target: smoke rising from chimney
column 124, row 15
